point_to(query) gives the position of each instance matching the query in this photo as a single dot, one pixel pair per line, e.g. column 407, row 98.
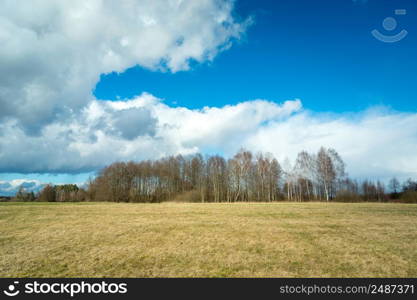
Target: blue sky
column 310, row 50
column 320, row 52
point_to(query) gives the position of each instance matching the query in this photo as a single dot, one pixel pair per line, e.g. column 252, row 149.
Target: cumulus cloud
column 134, row 122
column 53, row 52
column 11, row 187
column 141, row 128
column 374, row 143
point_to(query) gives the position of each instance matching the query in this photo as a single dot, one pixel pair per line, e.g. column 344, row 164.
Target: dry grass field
column 208, row 240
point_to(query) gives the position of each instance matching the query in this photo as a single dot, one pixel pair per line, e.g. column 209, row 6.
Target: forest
column 243, row 178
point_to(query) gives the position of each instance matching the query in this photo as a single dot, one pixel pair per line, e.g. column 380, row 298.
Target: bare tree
column 305, row 171
column 394, row 185
column 326, row 171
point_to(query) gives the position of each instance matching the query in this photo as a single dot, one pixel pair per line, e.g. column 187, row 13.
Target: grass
column 208, row 240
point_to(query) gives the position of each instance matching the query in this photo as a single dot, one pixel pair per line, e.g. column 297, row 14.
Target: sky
column 85, row 84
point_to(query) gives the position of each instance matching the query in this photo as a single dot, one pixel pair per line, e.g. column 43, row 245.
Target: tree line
column 245, row 177
column 52, row 193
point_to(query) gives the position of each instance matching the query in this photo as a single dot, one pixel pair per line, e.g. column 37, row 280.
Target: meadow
column 208, row 240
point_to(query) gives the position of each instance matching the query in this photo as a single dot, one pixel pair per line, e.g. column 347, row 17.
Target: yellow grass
column 208, row 240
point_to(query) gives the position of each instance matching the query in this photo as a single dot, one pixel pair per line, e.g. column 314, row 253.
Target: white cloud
column 149, row 129
column 53, row 52
column 11, row 187
column 374, row 143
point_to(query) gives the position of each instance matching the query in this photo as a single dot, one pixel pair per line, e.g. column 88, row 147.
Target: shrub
column 408, row 197
column 190, row 196
column 347, row 196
